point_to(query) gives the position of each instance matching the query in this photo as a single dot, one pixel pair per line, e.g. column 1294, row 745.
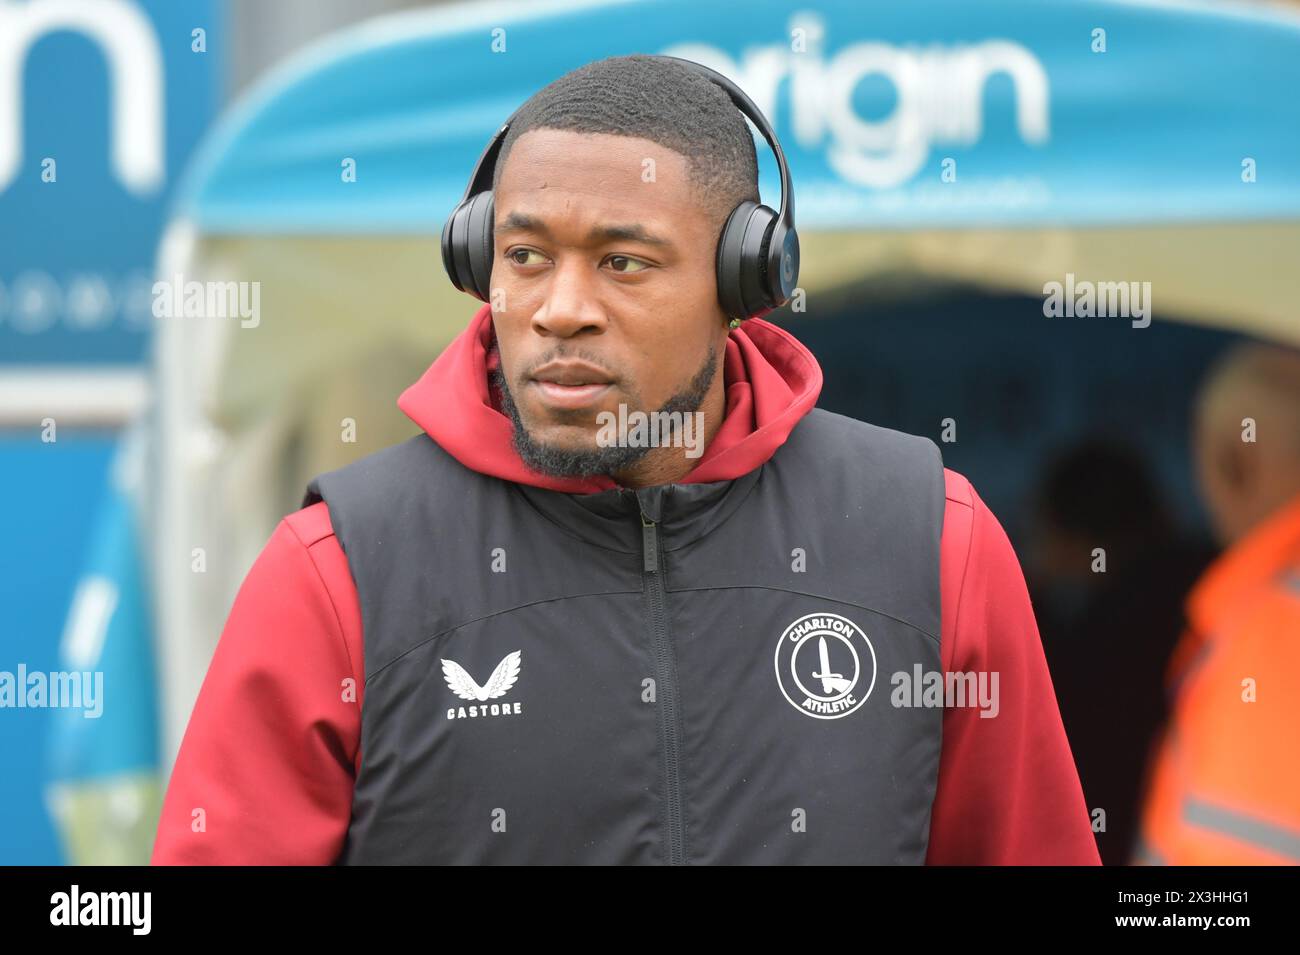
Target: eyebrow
column 521, row 222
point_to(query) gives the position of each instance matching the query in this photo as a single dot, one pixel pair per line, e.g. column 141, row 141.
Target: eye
column 514, row 254
column 630, row 264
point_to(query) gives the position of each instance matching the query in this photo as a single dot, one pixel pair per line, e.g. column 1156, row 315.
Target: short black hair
column 661, row 100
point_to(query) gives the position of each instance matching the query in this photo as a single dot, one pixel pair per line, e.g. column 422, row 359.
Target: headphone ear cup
column 742, row 268
column 452, row 246
column 480, row 222
column 781, row 264
column 467, row 245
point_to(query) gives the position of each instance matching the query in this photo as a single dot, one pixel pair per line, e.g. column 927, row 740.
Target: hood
column 771, row 382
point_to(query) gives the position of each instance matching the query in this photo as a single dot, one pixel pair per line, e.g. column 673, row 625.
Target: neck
column 668, row 464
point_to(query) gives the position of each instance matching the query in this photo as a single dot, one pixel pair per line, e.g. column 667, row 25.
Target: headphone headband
column 479, row 180
column 746, row 106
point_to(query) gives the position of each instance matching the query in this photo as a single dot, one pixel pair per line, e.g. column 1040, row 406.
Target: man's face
column 604, row 291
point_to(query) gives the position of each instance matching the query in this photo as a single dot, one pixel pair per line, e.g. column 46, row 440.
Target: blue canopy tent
column 1003, row 144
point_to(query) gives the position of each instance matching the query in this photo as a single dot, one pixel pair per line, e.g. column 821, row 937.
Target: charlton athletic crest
column 825, row 665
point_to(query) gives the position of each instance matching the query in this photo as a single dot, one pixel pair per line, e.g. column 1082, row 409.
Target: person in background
column 1225, row 783
column 1101, row 493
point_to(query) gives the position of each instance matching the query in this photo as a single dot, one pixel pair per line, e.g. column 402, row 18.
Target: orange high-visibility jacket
column 1225, row 779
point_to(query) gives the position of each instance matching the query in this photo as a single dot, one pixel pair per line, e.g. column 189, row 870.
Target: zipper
column 666, row 686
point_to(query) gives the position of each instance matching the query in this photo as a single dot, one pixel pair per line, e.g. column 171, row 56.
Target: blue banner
column 925, row 114
column 111, row 97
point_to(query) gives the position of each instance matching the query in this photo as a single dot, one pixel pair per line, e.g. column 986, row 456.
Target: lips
column 569, row 396
column 572, row 373
column 570, row 385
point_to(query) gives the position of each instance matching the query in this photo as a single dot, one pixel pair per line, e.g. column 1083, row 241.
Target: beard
column 588, row 462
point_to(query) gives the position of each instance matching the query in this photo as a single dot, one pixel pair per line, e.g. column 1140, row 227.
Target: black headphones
column 758, row 251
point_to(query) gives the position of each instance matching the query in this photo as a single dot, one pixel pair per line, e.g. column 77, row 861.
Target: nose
column 571, row 306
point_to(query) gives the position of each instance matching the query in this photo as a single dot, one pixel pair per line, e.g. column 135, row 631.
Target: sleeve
column 1008, row 790
column 265, row 770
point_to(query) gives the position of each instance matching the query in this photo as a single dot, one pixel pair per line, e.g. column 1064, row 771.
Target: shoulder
column 972, row 534
column 310, row 531
column 836, row 431
column 822, row 424
column 310, row 525
column 959, row 494
column 889, row 461
column 980, row 574
column 326, row 573
column 382, row 481
column 390, row 465
column 361, row 492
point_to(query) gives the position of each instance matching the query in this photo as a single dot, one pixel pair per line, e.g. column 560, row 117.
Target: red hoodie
column 266, row 768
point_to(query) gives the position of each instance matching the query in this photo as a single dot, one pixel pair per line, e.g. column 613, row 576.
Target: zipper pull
column 649, row 545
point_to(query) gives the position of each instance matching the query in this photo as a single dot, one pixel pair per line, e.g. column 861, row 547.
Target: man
column 530, row 634
column 1225, row 786
column 1101, row 493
